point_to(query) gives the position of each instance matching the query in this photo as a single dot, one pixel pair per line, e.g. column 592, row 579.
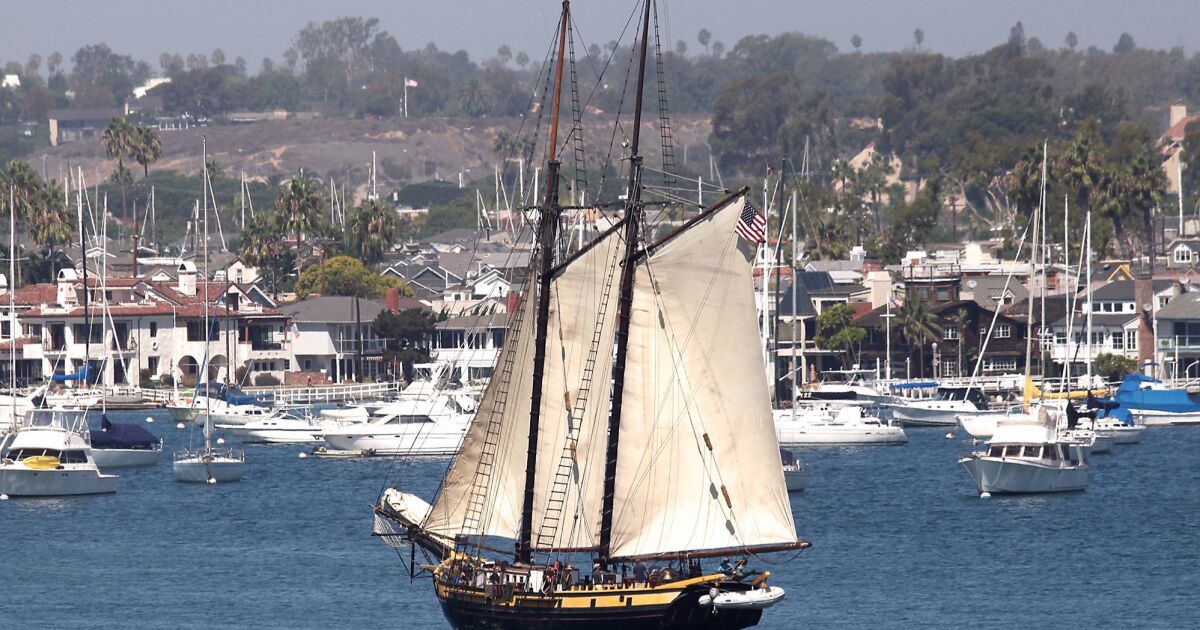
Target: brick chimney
column 1143, row 294
column 392, row 299
column 187, row 278
column 512, row 300
column 1178, row 112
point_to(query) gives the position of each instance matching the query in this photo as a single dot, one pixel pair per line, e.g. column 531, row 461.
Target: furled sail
column 481, row 494
column 576, row 397
column 702, row 468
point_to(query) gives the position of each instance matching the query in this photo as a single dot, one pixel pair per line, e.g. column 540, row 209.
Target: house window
column 153, row 329
column 1183, row 255
column 1001, row 365
column 950, row 332
column 307, row 365
column 152, row 365
column 1003, row 331
column 1118, row 341
column 949, row 367
column 5, row 330
column 943, row 294
column 1131, row 340
column 1162, row 300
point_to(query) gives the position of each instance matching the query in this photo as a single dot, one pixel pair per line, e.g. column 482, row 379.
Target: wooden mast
column 633, row 221
column 547, row 235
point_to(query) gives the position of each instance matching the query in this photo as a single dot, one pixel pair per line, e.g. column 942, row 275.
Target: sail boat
column 208, row 465
column 652, row 445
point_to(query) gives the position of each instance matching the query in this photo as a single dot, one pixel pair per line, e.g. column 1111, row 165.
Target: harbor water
column 900, row 539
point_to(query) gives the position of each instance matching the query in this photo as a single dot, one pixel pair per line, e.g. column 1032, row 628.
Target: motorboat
column 830, row 425
column 402, row 427
column 1155, row 404
column 795, row 472
column 118, row 445
column 1028, row 454
column 49, row 456
column 754, row 599
column 844, row 386
column 943, row 409
column 278, row 428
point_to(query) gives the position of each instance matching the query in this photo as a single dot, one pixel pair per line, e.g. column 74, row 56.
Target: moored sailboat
column 659, row 453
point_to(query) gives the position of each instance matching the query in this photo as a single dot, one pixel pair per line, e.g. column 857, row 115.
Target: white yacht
column 278, row 428
column 844, row 386
column 795, row 472
column 1028, row 455
column 403, row 427
column 827, row 425
column 125, row 445
column 941, row 410
column 48, row 455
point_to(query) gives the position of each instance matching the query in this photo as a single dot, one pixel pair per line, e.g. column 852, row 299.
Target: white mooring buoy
column 179, row 426
column 212, row 480
column 985, row 495
column 220, row 440
column 149, row 420
column 303, row 455
column 3, row 497
column 950, row 435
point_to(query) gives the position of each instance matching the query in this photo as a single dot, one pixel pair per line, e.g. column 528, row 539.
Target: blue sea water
column 900, row 540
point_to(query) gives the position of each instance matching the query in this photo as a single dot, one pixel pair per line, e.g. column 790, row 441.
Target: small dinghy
column 753, row 599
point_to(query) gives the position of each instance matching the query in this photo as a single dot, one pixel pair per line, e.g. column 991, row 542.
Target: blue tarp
column 84, row 373
column 916, row 385
column 1131, row 395
column 122, row 436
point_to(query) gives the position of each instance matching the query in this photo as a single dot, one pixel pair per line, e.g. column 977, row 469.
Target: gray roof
column 986, row 288
column 95, row 115
column 1122, row 290
column 1183, row 306
column 332, row 309
column 468, row 322
column 1099, row 320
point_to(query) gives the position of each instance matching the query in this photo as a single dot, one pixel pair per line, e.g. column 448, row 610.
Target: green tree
column 1114, row 367
column 146, row 148
column 407, row 335
column 118, row 140
column 346, row 276
column 836, row 331
column 302, row 209
column 263, row 244
column 919, row 327
column 371, row 230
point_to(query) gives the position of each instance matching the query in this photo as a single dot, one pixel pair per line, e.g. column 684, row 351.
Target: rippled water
column 900, row 539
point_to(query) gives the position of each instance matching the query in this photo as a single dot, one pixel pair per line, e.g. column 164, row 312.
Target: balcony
column 1179, row 343
column 369, row 346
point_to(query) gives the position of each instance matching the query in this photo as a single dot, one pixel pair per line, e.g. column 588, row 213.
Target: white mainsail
column 694, row 378
column 582, row 326
column 482, row 492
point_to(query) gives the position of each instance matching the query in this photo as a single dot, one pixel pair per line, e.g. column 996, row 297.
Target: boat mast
column 12, row 305
column 633, row 221
column 207, row 330
column 87, row 320
column 547, row 236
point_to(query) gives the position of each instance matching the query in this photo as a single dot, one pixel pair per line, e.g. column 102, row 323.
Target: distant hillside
column 406, row 149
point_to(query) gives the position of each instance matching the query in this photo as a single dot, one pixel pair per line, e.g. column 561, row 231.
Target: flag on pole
column 410, row 82
column 751, row 225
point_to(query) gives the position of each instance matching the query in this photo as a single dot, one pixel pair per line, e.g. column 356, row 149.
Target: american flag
column 751, row 225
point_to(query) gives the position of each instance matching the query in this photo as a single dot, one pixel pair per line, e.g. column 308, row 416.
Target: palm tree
column 372, row 230
column 52, row 227
column 118, row 140
column 473, row 99
column 146, row 149
column 302, row 208
column 919, row 327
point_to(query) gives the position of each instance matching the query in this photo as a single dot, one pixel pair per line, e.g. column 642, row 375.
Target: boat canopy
column 915, row 385
column 123, row 436
column 970, row 394
column 1138, row 391
column 84, row 373
column 231, row 394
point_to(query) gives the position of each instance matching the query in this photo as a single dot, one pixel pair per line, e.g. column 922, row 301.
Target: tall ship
column 625, row 442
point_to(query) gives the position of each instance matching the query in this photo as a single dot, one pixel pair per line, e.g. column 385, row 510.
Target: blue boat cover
column 84, row 373
column 122, row 436
column 1130, row 395
column 915, row 385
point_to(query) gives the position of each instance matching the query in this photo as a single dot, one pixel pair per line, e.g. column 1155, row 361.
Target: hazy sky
column 257, row 28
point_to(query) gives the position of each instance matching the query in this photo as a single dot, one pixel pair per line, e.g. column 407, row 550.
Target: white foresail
column 570, row 470
column 694, row 378
column 482, row 492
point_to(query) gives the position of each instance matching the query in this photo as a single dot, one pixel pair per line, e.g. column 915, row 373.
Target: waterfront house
column 334, row 337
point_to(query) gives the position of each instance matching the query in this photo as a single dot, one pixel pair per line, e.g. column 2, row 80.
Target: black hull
column 684, row 612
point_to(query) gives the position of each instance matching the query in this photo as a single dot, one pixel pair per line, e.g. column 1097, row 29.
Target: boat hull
column 1127, row 435
column 201, row 469
column 881, row 435
column 126, row 457
column 1152, row 418
column 1007, row 476
column 414, row 443
column 468, row 609
column 180, row 413
column 929, row 414
column 795, row 478
column 23, row 482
